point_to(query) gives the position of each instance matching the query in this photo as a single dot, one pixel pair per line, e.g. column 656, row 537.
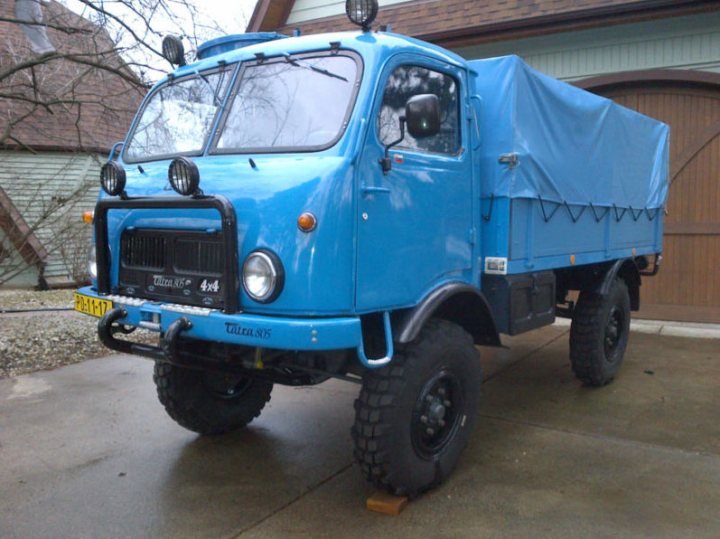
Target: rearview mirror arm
column 385, row 161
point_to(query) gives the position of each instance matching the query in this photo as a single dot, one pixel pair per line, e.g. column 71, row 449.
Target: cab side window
column 406, row 82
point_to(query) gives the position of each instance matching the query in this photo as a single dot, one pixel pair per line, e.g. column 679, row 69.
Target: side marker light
column 307, row 222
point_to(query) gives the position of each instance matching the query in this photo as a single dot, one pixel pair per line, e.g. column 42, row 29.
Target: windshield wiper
column 306, row 65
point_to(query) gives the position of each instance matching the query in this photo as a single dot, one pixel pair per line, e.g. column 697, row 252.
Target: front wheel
column 414, row 417
column 599, row 334
column 208, row 402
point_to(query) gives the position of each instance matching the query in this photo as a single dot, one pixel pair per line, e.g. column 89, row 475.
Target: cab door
column 415, row 223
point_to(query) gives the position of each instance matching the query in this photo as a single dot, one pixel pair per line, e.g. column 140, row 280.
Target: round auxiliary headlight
column 262, row 276
column 173, row 50
column 362, row 12
column 112, row 178
column 184, row 176
column 92, row 263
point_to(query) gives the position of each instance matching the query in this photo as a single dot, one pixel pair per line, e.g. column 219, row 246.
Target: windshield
column 293, row 103
column 178, row 117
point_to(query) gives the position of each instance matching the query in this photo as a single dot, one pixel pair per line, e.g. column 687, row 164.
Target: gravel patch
column 28, row 299
column 46, row 340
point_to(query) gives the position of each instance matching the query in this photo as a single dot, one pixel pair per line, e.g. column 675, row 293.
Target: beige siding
column 11, row 260
column 51, row 189
column 307, row 10
column 681, row 43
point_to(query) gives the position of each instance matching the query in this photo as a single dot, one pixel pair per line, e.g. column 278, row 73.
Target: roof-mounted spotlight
column 173, row 50
column 362, row 12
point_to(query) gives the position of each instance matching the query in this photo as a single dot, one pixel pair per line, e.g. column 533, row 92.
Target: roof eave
column 269, row 15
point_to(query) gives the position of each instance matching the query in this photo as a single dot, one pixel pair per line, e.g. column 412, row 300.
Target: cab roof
column 367, row 44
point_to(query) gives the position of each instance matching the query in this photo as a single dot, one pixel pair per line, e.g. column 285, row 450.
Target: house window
column 406, row 82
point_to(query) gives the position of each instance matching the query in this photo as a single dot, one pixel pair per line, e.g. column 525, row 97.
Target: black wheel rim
column 613, row 332
column 225, row 386
column 437, row 414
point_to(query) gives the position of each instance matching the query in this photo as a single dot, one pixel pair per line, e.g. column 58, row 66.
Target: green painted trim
column 36, row 182
column 691, row 42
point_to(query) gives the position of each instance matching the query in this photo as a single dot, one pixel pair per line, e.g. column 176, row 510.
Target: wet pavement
column 87, row 451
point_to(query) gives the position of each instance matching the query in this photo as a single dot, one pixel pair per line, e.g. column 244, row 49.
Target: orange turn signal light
column 307, row 222
column 88, row 217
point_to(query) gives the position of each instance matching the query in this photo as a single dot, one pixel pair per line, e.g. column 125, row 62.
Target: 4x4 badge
column 210, row 286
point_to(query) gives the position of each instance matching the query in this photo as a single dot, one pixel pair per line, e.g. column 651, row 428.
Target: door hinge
column 510, row 159
column 471, row 236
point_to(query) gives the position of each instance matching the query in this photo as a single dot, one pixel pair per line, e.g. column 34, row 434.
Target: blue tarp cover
column 573, row 146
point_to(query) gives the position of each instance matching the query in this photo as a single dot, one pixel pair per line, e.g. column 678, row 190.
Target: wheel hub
column 437, row 413
column 613, row 331
column 225, row 386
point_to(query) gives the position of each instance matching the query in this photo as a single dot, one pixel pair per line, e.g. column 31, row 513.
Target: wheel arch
column 455, row 302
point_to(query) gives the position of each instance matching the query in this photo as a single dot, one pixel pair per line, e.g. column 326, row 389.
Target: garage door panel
column 689, row 274
column 688, row 285
column 695, row 192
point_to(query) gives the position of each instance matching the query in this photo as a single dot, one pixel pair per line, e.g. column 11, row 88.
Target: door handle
column 370, row 190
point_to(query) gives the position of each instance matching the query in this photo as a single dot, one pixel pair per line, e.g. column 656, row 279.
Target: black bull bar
column 219, row 203
column 106, row 326
column 167, row 351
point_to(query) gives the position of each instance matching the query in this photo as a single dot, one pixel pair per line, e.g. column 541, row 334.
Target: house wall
column 9, row 258
column 306, row 10
column 51, row 190
column 691, row 42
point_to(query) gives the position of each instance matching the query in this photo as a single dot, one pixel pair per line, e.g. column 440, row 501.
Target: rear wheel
column 599, row 334
column 415, row 416
column 208, row 402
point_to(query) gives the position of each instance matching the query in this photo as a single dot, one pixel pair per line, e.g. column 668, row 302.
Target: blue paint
column 375, row 363
column 236, row 41
column 383, row 242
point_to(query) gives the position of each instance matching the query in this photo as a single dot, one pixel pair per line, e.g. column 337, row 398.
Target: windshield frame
column 301, row 56
column 231, row 73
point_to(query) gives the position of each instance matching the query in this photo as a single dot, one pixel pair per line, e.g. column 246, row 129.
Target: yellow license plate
column 92, row 306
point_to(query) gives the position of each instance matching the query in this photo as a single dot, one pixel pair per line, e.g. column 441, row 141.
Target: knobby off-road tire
column 414, row 417
column 209, row 403
column 599, row 334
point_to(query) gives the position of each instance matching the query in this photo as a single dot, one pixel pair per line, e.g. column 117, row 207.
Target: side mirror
column 422, row 114
column 422, row 118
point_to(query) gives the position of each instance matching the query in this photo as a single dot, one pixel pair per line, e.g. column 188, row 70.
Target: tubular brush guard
column 166, row 352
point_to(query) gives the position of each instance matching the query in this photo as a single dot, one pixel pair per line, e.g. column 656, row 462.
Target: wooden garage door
column 688, row 285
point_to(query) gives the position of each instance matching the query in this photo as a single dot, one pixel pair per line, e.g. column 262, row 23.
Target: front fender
column 456, row 302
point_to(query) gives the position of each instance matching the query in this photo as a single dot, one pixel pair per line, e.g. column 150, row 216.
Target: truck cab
column 291, row 209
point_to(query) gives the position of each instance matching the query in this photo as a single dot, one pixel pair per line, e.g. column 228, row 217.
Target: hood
column 268, row 198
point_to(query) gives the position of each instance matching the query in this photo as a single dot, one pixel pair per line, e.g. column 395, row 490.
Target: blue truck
column 369, row 207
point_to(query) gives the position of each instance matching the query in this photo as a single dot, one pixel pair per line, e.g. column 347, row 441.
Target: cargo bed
column 567, row 177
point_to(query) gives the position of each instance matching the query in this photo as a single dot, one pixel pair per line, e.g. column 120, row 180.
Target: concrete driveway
column 87, row 451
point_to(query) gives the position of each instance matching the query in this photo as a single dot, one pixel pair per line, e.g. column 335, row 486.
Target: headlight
column 173, row 50
column 263, row 276
column 362, row 12
column 184, row 176
column 112, row 178
column 92, row 263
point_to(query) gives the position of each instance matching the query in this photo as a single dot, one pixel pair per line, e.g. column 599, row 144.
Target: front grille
column 198, row 257
column 179, row 266
column 144, row 251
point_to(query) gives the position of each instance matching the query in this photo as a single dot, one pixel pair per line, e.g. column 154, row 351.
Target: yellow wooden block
column 382, row 502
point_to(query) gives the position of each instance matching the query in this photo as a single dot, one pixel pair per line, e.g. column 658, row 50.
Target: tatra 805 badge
column 163, row 281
